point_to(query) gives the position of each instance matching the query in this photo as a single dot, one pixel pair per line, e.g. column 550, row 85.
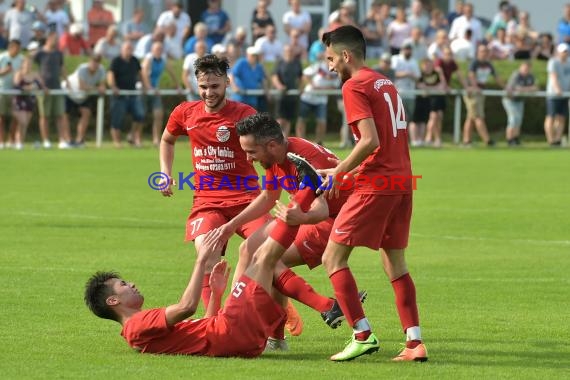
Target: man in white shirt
column 269, row 46
column 177, row 15
column 464, row 22
column 407, row 72
column 463, row 48
column 56, row 18
column 298, row 19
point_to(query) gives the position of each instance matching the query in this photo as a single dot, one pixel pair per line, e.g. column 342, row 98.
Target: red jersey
column 147, row 331
column 220, row 164
column 369, row 94
column 286, row 173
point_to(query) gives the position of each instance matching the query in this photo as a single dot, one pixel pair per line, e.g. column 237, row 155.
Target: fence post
column 457, row 119
column 99, row 120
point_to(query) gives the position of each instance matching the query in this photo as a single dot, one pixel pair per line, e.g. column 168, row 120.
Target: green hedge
column 495, row 114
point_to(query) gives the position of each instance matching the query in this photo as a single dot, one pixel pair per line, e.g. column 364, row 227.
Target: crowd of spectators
column 417, row 48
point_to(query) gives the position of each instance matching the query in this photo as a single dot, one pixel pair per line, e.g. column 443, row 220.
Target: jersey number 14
column 399, row 118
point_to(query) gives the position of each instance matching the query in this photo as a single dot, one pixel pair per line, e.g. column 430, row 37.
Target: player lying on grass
column 240, row 329
column 263, row 141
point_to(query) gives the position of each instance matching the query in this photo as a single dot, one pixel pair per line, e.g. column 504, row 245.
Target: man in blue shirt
column 217, row 20
column 248, row 74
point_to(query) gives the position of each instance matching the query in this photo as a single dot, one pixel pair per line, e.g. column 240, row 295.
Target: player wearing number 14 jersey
column 377, row 217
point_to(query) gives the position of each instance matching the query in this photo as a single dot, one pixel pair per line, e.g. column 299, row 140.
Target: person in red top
column 99, row 20
column 220, row 165
column 262, row 139
column 240, row 329
column 374, row 216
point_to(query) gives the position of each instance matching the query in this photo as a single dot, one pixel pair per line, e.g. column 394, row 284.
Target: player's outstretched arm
column 166, row 159
column 218, row 283
column 190, row 299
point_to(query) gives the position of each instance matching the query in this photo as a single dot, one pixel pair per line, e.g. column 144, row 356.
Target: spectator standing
column 418, row 16
column 373, row 30
column 171, row 46
column 200, row 34
column 520, row 81
column 248, row 74
column 287, row 75
column 449, row 67
column 10, row 63
column 72, row 41
column 153, row 66
column 297, row 49
column 564, row 26
column 418, row 42
column 88, row 77
column 188, row 76
column 437, row 22
column 465, row 22
column 23, row 105
column 398, row 30
column 145, row 43
column 99, row 20
column 505, row 20
column 269, row 46
column 456, row 12
column 299, row 19
column 350, row 8
column 217, row 20
column 123, row 74
column 384, row 66
column 544, row 50
column 557, row 83
column 317, row 49
column 109, row 46
column 499, row 47
column 463, row 48
column 177, row 15
column 56, row 18
column 18, row 22
column 480, row 71
column 432, row 78
column 260, row 19
column 135, row 28
column 435, row 49
column 39, row 30
column 238, row 40
column 317, row 77
column 407, row 72
column 52, row 72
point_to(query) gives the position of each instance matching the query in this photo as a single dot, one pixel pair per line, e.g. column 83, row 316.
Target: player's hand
column 219, row 278
column 167, row 190
column 292, row 214
column 330, row 186
column 210, row 243
column 226, row 231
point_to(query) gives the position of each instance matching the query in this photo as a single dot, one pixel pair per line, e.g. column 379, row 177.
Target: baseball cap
column 348, row 3
column 219, row 49
column 407, row 45
column 561, row 48
column 253, row 50
column 386, row 56
column 38, row 25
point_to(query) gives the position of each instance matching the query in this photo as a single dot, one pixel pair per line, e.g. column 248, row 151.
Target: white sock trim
column 413, row 333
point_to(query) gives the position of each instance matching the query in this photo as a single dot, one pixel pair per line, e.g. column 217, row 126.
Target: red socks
column 405, row 292
column 346, row 294
column 285, row 234
column 293, row 286
column 279, row 332
column 206, row 291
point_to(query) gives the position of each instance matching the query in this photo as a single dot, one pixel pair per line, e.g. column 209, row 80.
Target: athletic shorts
column 209, row 214
column 557, row 107
column 311, row 241
column 248, row 318
column 374, row 221
column 475, row 106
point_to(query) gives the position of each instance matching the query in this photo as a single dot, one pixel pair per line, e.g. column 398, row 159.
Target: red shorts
column 209, row 214
column 249, row 316
column 311, row 241
column 374, row 221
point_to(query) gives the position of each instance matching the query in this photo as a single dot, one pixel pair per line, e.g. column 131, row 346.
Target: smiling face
column 258, row 152
column 337, row 63
column 212, row 89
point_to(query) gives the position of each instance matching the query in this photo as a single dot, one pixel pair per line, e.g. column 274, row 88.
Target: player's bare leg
column 394, row 262
column 335, row 260
column 481, row 127
column 212, row 260
column 247, row 248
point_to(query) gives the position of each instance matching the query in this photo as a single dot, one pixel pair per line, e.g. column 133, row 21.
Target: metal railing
column 457, row 94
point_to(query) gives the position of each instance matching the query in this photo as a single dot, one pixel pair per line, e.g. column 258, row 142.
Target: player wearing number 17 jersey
column 376, row 215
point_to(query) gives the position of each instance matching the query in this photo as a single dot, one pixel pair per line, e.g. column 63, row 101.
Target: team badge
column 223, row 133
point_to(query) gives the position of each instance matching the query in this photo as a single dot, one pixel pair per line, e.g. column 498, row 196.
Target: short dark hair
column 212, row 64
column 346, row 37
column 262, row 126
column 97, row 292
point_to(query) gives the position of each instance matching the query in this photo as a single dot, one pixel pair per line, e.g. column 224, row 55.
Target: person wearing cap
column 558, row 82
column 407, row 72
column 269, row 45
column 10, row 62
column 39, row 33
column 88, row 77
column 72, row 41
column 248, row 74
column 18, row 22
column 99, row 20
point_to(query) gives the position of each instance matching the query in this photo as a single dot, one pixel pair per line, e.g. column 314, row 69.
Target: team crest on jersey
column 381, row 82
column 223, row 133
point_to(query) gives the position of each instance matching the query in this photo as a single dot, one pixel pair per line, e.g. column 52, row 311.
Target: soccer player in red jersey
column 371, row 217
column 262, row 138
column 219, row 162
column 241, row 328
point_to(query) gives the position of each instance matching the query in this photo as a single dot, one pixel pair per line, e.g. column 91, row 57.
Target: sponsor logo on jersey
column 223, row 133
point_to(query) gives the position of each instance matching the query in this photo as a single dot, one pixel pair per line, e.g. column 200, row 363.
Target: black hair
column 212, row 64
column 97, row 292
column 346, row 37
column 262, row 126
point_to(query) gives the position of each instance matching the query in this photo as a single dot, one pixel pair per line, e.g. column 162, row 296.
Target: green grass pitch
column 489, row 252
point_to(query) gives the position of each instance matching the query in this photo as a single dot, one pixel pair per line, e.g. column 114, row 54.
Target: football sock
column 285, row 234
column 206, row 291
column 361, row 329
column 346, row 294
column 279, row 332
column 296, row 287
column 405, row 294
